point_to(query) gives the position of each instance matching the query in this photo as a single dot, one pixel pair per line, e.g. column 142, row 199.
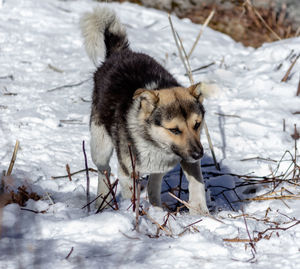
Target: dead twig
column 236, row 240
column 282, row 197
column 137, row 210
column 113, row 192
column 106, row 196
column 68, row 85
column 67, row 257
column 134, row 177
column 208, row 19
column 33, row 211
column 13, row 158
column 156, row 223
column 226, row 115
column 77, row 172
column 193, row 223
column 201, row 67
column 298, row 89
column 87, row 177
column 179, row 50
column 55, row 68
column 251, row 241
column 258, row 158
column 286, row 76
column 69, row 172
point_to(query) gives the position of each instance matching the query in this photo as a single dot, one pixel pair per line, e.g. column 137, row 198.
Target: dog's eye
column 175, row 131
column 197, row 125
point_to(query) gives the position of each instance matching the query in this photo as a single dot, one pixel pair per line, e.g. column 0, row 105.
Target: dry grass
column 244, row 23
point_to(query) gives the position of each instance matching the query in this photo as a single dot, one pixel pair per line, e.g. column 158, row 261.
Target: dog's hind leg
column 197, row 197
column 101, row 151
column 154, row 189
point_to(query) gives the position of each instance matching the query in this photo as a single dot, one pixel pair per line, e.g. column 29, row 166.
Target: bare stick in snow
column 202, row 67
column 286, row 76
column 69, row 172
column 298, row 90
column 55, row 69
column 137, row 209
column 208, row 19
column 156, row 223
column 68, row 85
column 134, row 177
column 251, row 241
column 67, row 257
column 87, row 177
column 74, row 173
column 13, row 158
column 106, row 196
column 258, row 158
column 112, row 190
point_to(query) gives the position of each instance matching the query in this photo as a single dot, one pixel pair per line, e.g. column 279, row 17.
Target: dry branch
column 77, row 172
column 298, row 89
column 156, row 223
column 55, row 68
column 286, row 76
column 68, row 85
column 113, row 192
column 67, row 257
column 13, row 158
column 134, row 177
column 258, row 158
column 202, row 67
column 69, row 172
column 106, row 196
column 137, row 210
column 251, row 241
column 87, row 177
column 236, row 240
column 201, row 31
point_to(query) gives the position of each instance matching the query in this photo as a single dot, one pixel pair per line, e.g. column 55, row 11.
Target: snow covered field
column 41, row 50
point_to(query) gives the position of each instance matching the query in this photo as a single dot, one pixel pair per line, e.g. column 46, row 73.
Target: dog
column 137, row 102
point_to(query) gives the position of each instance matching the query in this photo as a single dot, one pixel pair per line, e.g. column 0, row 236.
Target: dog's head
column 173, row 118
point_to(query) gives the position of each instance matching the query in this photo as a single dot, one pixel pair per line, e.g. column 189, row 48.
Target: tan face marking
column 169, row 96
column 175, row 117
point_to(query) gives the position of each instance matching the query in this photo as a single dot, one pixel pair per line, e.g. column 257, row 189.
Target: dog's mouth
column 192, row 157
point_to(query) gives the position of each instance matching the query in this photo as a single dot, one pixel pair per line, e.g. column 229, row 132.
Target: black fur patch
column 118, row 78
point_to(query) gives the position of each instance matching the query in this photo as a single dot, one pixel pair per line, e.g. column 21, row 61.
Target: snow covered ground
column 41, row 49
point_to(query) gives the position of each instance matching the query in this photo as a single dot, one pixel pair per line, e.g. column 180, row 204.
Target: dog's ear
column 203, row 90
column 148, row 99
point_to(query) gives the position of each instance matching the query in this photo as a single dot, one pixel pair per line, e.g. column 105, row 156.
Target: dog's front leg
column 197, row 198
column 154, row 189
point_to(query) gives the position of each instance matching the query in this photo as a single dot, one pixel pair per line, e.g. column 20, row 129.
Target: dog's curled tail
column 103, row 34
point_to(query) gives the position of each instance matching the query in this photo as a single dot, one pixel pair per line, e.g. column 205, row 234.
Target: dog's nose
column 196, row 155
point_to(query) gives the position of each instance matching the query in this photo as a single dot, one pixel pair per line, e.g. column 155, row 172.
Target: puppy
column 137, row 102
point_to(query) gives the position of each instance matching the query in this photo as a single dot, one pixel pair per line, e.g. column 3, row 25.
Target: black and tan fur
column 137, row 102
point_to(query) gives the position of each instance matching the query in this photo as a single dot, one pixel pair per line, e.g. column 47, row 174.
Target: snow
column 51, row 124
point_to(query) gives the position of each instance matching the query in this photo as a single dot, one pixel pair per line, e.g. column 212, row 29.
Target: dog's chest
column 153, row 160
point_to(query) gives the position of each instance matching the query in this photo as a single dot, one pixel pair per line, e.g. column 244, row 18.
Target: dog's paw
column 198, row 209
